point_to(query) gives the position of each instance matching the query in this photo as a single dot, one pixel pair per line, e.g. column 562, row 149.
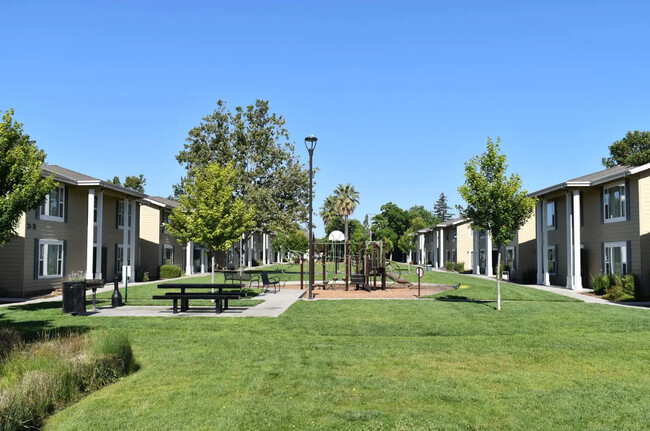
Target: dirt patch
column 339, row 292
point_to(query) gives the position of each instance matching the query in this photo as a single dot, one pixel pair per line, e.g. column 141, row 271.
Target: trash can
column 74, row 297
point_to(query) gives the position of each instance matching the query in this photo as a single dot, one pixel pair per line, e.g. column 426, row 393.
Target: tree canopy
column 429, row 217
column 441, row 209
column 346, row 199
column 268, row 176
column 632, row 150
column 293, row 240
column 131, row 182
column 209, row 213
column 495, row 202
column 22, row 187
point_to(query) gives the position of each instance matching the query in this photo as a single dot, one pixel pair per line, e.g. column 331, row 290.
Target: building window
column 481, row 258
column 129, row 214
column 448, row 256
column 453, row 255
column 614, row 203
column 119, row 253
column 50, row 258
column 54, row 205
column 169, row 255
column 454, row 232
column 550, row 215
column 95, row 209
column 616, row 258
column 165, row 222
column 551, row 259
column 511, row 263
column 121, row 214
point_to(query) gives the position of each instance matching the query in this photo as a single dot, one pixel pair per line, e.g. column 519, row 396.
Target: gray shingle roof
column 67, row 173
column 167, row 202
column 72, row 177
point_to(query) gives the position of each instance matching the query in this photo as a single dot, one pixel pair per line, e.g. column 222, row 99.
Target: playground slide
column 395, row 277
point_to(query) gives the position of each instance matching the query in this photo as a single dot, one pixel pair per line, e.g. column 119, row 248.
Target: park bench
column 241, row 277
column 267, row 282
column 359, row 280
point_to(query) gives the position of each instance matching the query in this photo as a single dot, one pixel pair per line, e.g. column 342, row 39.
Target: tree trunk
column 499, row 279
column 345, row 250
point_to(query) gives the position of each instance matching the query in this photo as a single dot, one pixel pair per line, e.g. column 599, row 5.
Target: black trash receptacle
column 74, row 297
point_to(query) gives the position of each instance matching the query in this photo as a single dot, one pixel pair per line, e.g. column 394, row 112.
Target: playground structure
column 364, row 266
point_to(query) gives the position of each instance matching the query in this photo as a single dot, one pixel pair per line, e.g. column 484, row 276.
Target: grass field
column 543, row 362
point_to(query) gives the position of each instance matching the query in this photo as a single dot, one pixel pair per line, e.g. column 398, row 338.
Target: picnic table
column 218, row 295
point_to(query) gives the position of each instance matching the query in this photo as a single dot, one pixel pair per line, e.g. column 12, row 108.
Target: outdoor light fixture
column 310, row 144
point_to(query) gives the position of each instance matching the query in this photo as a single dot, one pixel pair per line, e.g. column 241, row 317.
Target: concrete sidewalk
column 273, row 306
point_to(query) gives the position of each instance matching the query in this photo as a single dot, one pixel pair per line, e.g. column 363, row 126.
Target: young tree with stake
column 495, row 202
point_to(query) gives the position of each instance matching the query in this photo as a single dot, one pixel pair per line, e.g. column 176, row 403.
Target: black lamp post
column 310, row 144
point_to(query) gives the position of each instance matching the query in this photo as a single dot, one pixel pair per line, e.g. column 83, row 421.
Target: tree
column 632, row 150
column 22, row 187
column 391, row 223
column 407, row 242
column 209, row 213
column 495, row 203
column 441, row 209
column 131, row 182
column 346, row 199
column 418, row 211
column 268, row 176
column 327, row 212
column 295, row 240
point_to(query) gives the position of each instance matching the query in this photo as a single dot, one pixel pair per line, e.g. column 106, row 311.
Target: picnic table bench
column 218, row 296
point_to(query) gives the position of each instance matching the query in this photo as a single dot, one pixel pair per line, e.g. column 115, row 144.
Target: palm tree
column 328, row 211
column 346, row 199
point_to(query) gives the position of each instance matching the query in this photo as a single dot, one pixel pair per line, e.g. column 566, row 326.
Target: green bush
column 601, row 283
column 460, row 267
column 449, row 265
column 41, row 377
column 141, row 274
column 170, row 271
column 529, row 276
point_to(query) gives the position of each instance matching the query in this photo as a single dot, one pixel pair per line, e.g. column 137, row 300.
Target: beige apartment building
column 85, row 224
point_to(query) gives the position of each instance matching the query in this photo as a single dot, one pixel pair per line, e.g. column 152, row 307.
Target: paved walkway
column 274, row 305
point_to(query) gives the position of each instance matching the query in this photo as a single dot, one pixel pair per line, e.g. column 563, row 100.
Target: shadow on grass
column 453, row 298
column 32, row 330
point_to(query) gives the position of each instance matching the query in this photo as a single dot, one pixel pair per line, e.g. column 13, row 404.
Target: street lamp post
column 310, row 144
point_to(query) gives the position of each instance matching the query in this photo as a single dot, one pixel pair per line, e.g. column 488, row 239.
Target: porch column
column 264, row 262
column 539, row 248
column 577, row 264
column 434, row 260
column 100, row 235
column 125, row 239
column 488, row 255
column 547, row 279
column 410, row 256
column 423, row 253
column 476, row 267
column 204, row 260
column 569, row 242
column 249, row 252
column 189, row 254
column 441, row 236
column 132, row 227
column 90, row 233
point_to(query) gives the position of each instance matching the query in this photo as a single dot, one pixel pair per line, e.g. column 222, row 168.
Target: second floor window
column 121, row 216
column 550, row 215
column 614, row 203
column 54, row 205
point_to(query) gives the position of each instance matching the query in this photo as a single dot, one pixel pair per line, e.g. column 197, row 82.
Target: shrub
column 460, row 266
column 170, row 271
column 141, row 274
column 629, row 284
column 601, row 283
column 50, row 374
column 529, row 276
column 449, row 265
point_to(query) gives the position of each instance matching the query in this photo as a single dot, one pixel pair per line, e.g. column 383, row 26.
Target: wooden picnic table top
column 200, row 286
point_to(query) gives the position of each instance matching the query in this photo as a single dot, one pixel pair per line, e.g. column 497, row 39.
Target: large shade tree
column 495, row 202
column 268, row 176
column 632, row 150
column 22, row 187
column 209, row 213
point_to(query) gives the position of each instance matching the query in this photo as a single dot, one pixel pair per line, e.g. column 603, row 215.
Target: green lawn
column 543, row 362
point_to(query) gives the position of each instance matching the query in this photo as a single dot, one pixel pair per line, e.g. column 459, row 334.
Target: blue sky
column 400, row 94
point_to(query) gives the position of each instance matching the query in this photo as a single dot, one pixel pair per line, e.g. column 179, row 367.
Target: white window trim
column 554, row 225
column 47, row 242
column 551, row 247
column 623, row 247
column 514, row 257
column 623, row 204
column 126, row 217
column 46, row 207
column 165, row 248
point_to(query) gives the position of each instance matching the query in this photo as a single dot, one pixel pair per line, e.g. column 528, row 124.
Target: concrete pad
column 273, row 306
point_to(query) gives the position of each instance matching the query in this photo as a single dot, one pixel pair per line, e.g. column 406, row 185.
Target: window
column 119, row 253
column 95, row 209
column 511, row 258
column 481, row 258
column 169, row 255
column 448, row 256
column 616, row 258
column 550, row 215
column 454, row 232
column 52, row 208
column 165, row 222
column 551, row 259
column 50, row 258
column 121, row 215
column 614, row 203
column 453, row 255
